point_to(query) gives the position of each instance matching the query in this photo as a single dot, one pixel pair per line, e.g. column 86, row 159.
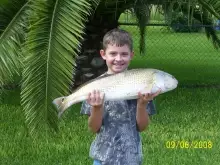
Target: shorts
column 96, row 162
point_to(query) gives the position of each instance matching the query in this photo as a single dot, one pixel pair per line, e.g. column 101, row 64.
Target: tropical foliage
column 40, row 40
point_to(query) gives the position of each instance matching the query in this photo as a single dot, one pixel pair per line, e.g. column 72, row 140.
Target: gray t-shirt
column 118, row 141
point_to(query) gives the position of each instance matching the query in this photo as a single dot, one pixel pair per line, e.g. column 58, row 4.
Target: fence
column 189, row 56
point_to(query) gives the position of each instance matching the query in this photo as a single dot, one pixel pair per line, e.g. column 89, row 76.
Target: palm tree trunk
column 89, row 63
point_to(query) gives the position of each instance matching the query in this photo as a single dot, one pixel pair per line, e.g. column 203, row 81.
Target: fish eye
column 62, row 99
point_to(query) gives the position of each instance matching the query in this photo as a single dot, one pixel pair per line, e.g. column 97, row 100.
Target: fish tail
column 60, row 104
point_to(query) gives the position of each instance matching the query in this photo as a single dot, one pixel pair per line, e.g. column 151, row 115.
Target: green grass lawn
column 182, row 115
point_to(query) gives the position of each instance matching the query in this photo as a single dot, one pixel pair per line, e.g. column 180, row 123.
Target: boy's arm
column 95, row 119
column 93, row 107
column 142, row 116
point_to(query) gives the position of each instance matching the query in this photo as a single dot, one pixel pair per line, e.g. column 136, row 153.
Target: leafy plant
column 40, row 42
column 180, row 23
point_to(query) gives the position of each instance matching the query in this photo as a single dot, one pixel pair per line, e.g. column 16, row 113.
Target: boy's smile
column 117, row 58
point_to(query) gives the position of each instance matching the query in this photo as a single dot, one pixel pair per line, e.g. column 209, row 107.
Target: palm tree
column 50, row 43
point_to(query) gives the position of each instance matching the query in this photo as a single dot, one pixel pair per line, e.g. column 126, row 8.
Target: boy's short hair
column 118, row 37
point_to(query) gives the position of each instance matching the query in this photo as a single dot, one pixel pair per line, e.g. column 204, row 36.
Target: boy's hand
column 95, row 98
column 145, row 98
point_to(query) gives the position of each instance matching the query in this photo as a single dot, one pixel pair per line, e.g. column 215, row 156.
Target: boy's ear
column 102, row 53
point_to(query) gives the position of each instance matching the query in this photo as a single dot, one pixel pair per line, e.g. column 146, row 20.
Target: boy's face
column 117, row 58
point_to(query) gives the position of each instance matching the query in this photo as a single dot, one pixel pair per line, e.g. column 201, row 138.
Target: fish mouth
column 176, row 83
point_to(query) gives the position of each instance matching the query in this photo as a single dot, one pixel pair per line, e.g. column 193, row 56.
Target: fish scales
column 120, row 82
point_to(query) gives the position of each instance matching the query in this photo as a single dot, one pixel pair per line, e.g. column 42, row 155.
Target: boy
column 117, row 123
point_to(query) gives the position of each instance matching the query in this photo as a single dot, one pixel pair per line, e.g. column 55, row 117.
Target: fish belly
column 126, row 92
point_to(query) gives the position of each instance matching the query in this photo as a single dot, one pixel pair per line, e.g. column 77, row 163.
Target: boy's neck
column 110, row 72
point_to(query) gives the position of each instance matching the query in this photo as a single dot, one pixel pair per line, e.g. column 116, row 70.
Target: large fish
column 120, row 86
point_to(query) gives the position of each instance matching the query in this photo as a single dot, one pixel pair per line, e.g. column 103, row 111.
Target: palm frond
column 12, row 30
column 54, row 40
column 213, row 6
column 94, row 4
column 210, row 31
column 203, row 16
column 2, row 2
column 141, row 10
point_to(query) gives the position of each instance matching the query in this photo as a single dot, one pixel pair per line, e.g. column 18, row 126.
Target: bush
column 180, row 24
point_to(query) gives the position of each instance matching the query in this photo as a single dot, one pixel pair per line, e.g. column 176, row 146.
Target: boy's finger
column 97, row 93
column 88, row 96
column 98, row 97
column 101, row 98
column 102, row 94
column 157, row 93
column 92, row 97
column 140, row 95
column 146, row 95
column 94, row 92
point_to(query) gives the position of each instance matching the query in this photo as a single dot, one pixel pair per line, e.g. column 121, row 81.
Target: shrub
column 181, row 23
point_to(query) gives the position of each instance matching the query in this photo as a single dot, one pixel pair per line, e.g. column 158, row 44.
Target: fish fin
column 60, row 105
